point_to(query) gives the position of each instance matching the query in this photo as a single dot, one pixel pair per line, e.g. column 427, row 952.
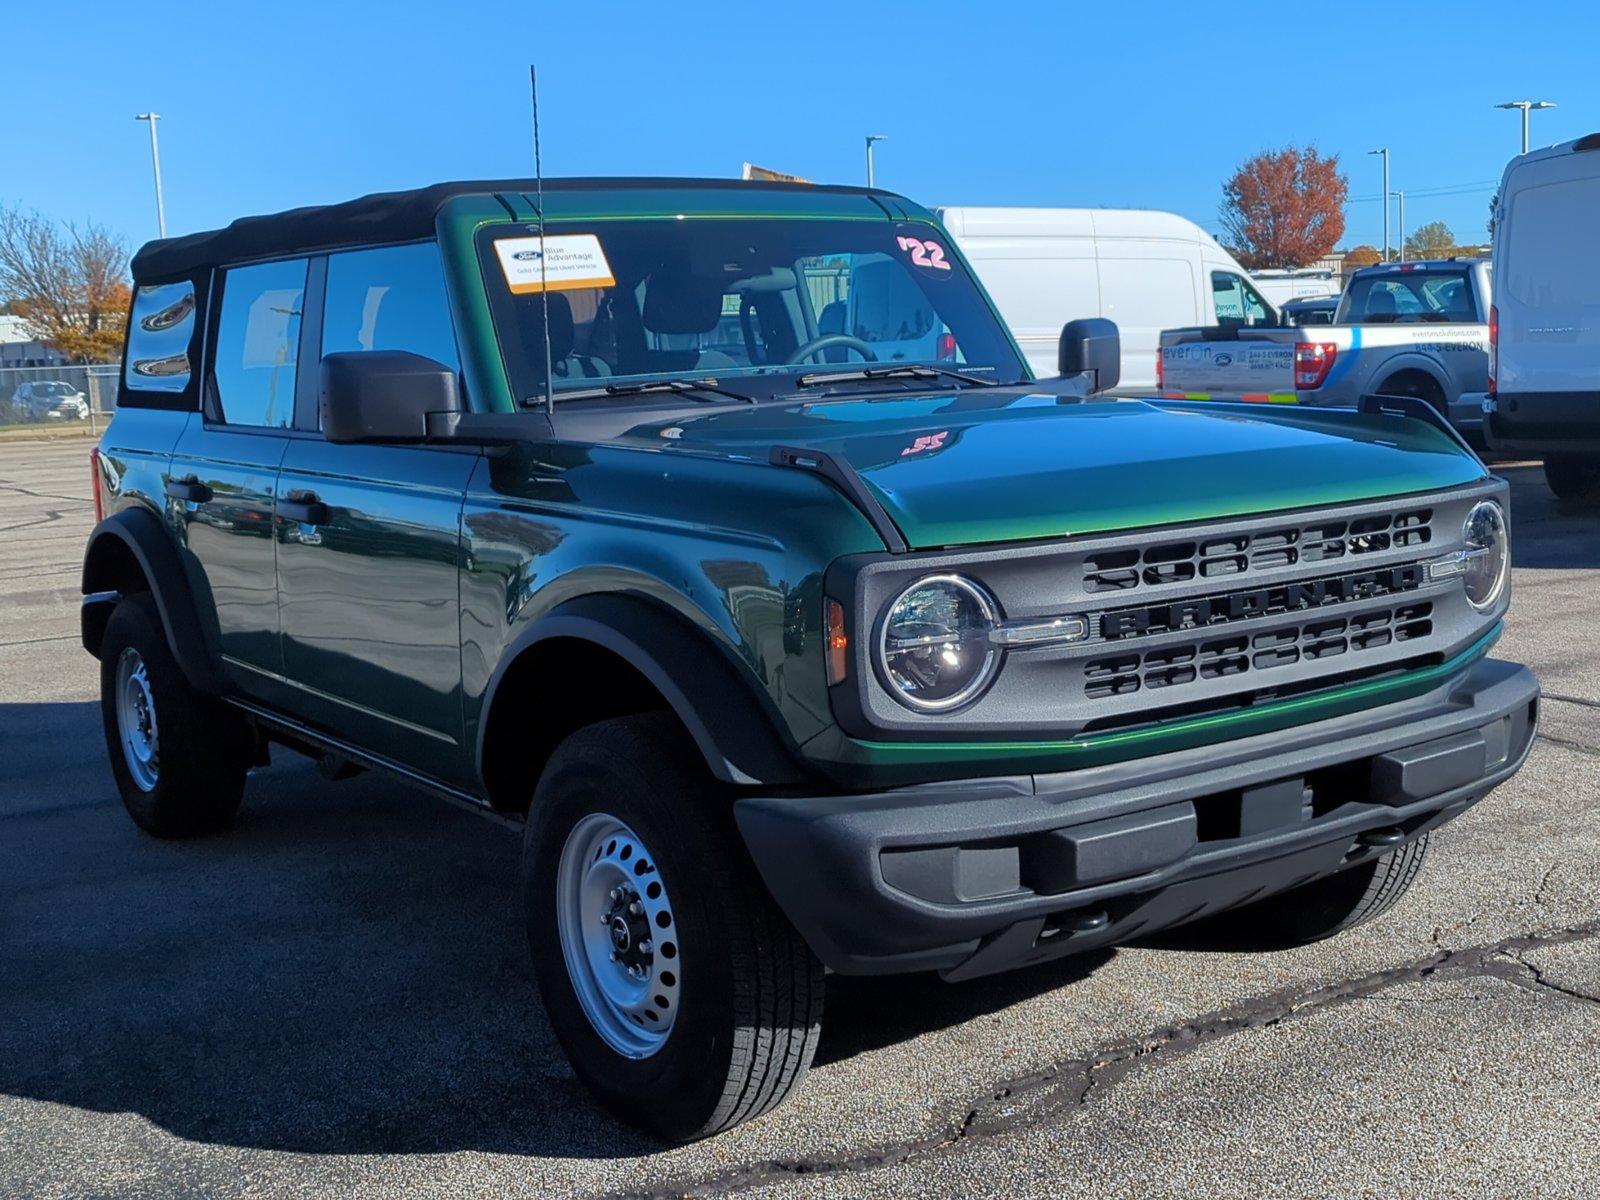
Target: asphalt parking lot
column 333, row 998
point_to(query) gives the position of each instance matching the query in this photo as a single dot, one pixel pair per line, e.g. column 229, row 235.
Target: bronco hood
column 987, row 467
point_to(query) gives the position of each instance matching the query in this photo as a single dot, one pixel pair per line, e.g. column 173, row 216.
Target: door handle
column 189, row 489
column 303, row 506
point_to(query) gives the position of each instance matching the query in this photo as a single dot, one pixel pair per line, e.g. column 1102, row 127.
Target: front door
column 369, row 539
column 223, row 479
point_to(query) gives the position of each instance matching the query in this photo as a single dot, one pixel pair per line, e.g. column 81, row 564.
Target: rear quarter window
column 162, row 324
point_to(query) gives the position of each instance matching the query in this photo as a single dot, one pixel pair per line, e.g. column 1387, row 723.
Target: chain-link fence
column 64, row 397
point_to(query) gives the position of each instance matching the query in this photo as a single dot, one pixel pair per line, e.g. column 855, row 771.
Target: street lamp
column 1526, row 106
column 155, row 162
column 1401, row 197
column 1385, row 152
column 873, row 137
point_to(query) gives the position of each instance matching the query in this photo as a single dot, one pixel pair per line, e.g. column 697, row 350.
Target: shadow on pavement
column 341, row 973
column 1546, row 533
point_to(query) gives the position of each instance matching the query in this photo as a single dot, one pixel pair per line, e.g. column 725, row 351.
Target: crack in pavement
column 1576, row 747
column 1578, row 700
column 1066, row 1085
column 1561, row 989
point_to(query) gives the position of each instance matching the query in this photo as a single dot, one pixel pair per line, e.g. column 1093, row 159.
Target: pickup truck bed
column 1424, row 352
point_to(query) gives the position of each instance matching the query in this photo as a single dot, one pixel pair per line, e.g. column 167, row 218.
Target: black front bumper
column 975, row 876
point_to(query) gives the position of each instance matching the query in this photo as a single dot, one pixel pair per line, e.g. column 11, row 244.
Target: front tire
column 684, row 999
column 1573, row 476
column 177, row 755
column 1325, row 907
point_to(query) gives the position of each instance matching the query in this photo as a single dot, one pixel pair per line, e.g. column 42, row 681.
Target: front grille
column 1323, row 540
column 1315, row 639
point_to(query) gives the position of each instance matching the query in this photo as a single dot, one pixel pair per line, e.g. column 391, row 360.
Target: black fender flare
column 731, row 723
column 140, row 534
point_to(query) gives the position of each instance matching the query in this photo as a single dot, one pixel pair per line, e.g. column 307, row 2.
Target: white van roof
column 1560, row 150
column 966, row 221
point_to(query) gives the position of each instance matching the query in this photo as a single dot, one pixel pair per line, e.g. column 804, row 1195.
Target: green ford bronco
column 716, row 534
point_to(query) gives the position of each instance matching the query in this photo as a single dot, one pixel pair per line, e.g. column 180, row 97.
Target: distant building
column 20, row 345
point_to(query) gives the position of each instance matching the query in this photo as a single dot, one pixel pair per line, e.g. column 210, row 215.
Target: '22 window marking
column 929, row 254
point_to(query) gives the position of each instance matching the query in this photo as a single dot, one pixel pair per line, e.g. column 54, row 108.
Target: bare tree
column 68, row 281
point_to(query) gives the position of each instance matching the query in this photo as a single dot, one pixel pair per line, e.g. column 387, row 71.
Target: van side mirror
column 383, row 395
column 1091, row 346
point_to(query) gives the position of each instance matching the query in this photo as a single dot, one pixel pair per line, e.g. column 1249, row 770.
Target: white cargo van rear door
column 1547, row 279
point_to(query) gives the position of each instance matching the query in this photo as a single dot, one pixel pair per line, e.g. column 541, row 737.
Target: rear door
column 369, row 540
column 222, row 480
column 1547, row 292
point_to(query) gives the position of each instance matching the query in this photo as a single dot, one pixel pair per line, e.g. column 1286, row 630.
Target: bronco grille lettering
column 1259, row 602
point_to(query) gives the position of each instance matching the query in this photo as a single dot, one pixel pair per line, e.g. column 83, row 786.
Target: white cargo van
column 1544, row 330
column 1145, row 270
column 1282, row 284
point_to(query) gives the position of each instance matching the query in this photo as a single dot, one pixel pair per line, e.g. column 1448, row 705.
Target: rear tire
column 1419, row 386
column 715, row 1018
column 1573, row 476
column 1329, row 906
column 178, row 756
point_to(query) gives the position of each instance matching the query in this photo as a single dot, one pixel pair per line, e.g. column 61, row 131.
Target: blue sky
column 266, row 106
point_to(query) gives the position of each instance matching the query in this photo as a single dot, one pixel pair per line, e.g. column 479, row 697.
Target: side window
column 1236, row 300
column 1227, row 291
column 258, row 338
column 159, row 336
column 1256, row 310
column 391, row 298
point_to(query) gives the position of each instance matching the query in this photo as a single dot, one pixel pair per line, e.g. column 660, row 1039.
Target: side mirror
column 383, row 395
column 1092, row 346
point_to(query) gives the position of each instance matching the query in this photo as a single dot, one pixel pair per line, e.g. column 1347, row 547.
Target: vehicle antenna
column 544, row 290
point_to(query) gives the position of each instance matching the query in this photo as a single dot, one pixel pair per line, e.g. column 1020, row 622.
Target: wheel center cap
column 621, row 938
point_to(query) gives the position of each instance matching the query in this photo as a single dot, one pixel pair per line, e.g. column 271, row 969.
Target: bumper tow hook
column 1391, row 836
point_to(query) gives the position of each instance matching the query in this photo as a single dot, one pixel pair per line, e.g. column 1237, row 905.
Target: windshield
column 754, row 304
column 52, row 389
column 1410, row 296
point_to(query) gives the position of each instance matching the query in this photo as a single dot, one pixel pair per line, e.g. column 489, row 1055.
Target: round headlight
column 1488, row 563
column 935, row 647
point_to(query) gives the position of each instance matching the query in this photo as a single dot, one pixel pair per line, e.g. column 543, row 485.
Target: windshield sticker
column 560, row 263
column 924, row 252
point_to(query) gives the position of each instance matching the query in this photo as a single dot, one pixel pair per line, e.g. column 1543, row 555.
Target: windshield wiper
column 905, row 371
column 680, row 387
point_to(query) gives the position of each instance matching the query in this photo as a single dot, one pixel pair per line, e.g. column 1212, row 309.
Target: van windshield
column 760, row 302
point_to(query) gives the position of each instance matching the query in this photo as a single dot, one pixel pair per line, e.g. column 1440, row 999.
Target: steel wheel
column 136, row 720
column 618, row 935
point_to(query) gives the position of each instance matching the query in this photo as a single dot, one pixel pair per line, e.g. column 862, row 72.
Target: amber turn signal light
column 838, row 642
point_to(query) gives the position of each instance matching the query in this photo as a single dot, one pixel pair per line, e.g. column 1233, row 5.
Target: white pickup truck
column 1413, row 329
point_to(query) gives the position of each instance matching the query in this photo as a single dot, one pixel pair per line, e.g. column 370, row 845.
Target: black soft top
column 379, row 218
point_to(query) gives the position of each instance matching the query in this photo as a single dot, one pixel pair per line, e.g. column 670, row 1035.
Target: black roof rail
column 844, row 477
column 1379, row 404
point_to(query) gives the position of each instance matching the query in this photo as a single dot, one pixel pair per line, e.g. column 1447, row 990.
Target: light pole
column 873, row 137
column 1401, row 197
column 1385, row 152
column 1525, row 106
column 155, row 163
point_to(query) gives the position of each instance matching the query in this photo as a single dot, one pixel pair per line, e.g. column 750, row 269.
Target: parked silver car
column 49, row 400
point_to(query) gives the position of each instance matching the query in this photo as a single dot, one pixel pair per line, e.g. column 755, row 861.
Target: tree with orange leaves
column 1284, row 208
column 69, row 282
